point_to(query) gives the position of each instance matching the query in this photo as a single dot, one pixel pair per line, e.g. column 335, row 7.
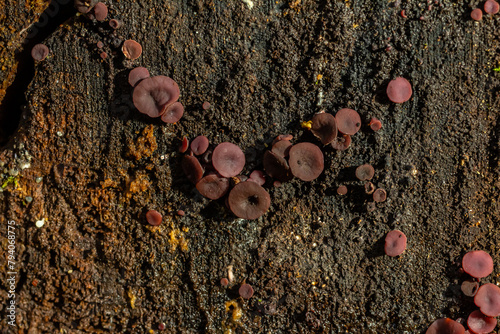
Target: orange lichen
column 144, row 146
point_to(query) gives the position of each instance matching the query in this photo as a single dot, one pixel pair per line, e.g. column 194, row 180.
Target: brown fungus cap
column 445, row 326
column 115, row 24
column 491, row 7
column 348, row 121
column 192, row 168
column 478, row 264
column 399, row 90
column 469, row 288
column 375, row 124
column 379, row 195
column 245, row 291
column 342, row 142
column 199, row 145
column 213, row 187
column 342, row 190
column 477, row 14
column 136, row 75
column 276, row 166
column 306, row 161
column 153, row 217
column 228, row 159
column 173, row 113
column 248, row 200
column 324, row 127
column 84, row 6
column 100, row 11
column 281, row 148
column 365, row 172
column 152, row 95
column 131, row 49
column 39, row 52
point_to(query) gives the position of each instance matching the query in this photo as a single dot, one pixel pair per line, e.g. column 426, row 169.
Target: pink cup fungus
column 365, row 172
column 246, row 291
column 224, row 282
column 487, row 299
column 184, row 145
column 399, row 90
column 103, row 55
column 100, row 11
column 228, row 159
column 478, row 264
column 342, row 190
column 324, row 127
column 288, row 137
column 477, row 14
column 199, row 145
column 205, row 105
column 115, row 24
column 276, row 166
column 258, row 177
column 100, row 45
column 375, row 124
column 341, row 143
column 379, row 195
column 445, row 326
column 491, row 7
column 39, row 52
column 136, row 75
column 481, row 324
column 281, row 148
column 192, row 168
column 180, row 213
column 248, row 200
column 173, row 113
column 131, row 49
column 84, row 6
column 469, row 288
column 153, row 217
column 153, row 95
column 306, row 161
column 213, row 187
column 395, row 243
column 348, row 121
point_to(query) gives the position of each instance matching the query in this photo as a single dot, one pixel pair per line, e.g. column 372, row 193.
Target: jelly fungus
column 153, row 217
column 445, row 326
column 228, row 159
column 224, row 282
column 487, row 299
column 369, row 188
column 306, row 161
column 184, row 145
column 379, row 195
column 342, row 190
column 348, row 121
column 258, row 177
column 365, row 172
column 281, row 148
column 276, row 166
column 173, row 113
column 399, row 90
column 84, row 6
column 246, row 291
column 136, row 75
column 342, row 142
column 375, row 124
column 481, row 324
column 478, row 264
column 199, row 145
column 39, row 52
column 100, row 11
column 213, row 187
column 491, row 7
column 205, row 105
column 324, row 127
column 115, row 24
column 469, row 288
column 192, row 168
column 131, row 49
column 477, row 14
column 248, row 200
column 153, row 95
column 395, row 243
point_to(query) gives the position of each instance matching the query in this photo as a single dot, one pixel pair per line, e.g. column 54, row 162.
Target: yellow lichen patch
column 232, row 305
column 177, row 239
column 132, row 297
column 144, row 146
column 139, row 184
column 306, row 125
column 108, row 183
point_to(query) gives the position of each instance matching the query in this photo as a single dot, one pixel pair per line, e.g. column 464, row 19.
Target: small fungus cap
column 258, row 177
column 152, row 95
column 246, row 291
column 365, row 172
column 481, row 324
column 375, row 124
column 342, row 142
column 399, row 90
column 478, row 264
column 173, row 113
column 342, row 190
column 276, row 166
column 395, row 243
column 213, row 187
column 153, row 217
column 379, row 195
column 199, row 145
column 248, row 200
column 477, row 14
column 192, row 168
column 228, row 159
column 115, row 24
column 281, row 148
column 100, row 11
column 445, row 326
column 136, row 75
column 306, row 161
column 84, row 6
column 131, row 49
column 469, row 288
column 487, row 299
column 348, row 121
column 324, row 127
column 491, row 7
column 39, row 52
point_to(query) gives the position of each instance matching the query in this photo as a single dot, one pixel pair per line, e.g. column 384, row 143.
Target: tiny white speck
column 59, row 133
column 249, row 3
column 40, row 223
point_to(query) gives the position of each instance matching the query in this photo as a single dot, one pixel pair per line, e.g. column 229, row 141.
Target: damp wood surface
column 316, row 259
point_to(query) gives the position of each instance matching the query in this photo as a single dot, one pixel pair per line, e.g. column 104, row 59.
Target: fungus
column 228, row 159
column 181, row 213
column 100, row 11
column 276, row 166
column 342, row 142
column 115, row 24
column 224, row 282
column 306, row 161
column 199, row 145
column 283, row 137
column 399, row 90
column 375, row 124
column 395, row 243
column 342, row 190
column 445, row 326
column 348, row 121
column 365, row 172
column 213, row 187
column 103, row 55
column 39, row 52
column 248, row 200
column 131, row 49
column 379, row 195
column 162, row 326
column 192, row 168
column 246, row 291
column 100, row 45
column 371, row 206
column 153, row 217
column 480, row 323
column 136, row 75
column 491, row 7
column 324, row 127
column 478, row 264
column 205, row 105
column 258, row 177
column 184, row 145
column 487, row 299
column 369, row 188
column 173, row 113
column 477, row 14
column 84, row 6
column 469, row 288
column 153, row 95
column 281, row 148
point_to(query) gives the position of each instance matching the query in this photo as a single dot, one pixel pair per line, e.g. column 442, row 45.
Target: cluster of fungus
column 490, row 7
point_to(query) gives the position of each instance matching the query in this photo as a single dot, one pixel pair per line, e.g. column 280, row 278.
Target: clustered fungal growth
column 445, row 325
column 490, row 7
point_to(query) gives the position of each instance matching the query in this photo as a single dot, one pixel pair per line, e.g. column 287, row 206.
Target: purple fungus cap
column 39, row 52
column 184, row 145
column 395, row 243
column 399, row 90
column 445, row 326
column 258, row 177
column 115, row 24
column 348, row 121
column 379, row 195
column 365, row 172
column 491, row 7
column 478, row 264
column 248, row 200
column 276, row 166
column 153, row 217
column 192, row 168
column 199, row 145
column 324, row 127
column 477, row 14
column 341, row 143
column 306, row 161
column 100, row 11
column 84, row 6
column 131, row 49
column 246, row 291
column 228, row 159
column 136, row 75
column 152, row 95
column 481, row 324
column 487, row 299
column 173, row 113
column 213, row 187
column 281, row 148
